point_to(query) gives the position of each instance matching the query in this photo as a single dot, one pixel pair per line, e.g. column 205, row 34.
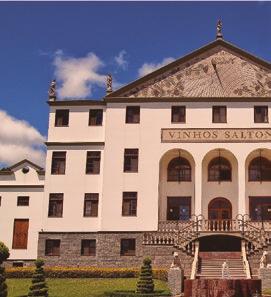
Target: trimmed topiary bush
column 4, row 254
column 38, row 287
column 145, row 283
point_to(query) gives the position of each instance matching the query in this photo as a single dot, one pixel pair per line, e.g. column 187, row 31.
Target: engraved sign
column 216, row 135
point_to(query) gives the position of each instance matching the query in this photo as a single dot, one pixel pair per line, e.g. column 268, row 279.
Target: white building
column 177, row 160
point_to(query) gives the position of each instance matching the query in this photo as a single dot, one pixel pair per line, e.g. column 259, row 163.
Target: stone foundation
column 108, row 251
column 265, row 276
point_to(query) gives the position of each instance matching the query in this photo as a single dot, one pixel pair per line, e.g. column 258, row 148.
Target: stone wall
column 108, row 251
column 265, row 276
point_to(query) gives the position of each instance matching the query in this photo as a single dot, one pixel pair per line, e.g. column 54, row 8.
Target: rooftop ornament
column 219, row 34
column 109, row 84
column 52, row 91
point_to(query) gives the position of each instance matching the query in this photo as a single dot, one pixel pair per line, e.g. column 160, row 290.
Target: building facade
column 179, row 160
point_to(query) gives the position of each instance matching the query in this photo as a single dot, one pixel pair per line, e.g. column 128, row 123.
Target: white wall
column 145, row 136
column 9, row 211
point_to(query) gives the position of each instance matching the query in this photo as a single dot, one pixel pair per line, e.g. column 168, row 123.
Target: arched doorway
column 220, row 209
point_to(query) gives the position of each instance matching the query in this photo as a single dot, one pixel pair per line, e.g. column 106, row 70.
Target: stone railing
column 181, row 234
column 194, row 269
column 245, row 261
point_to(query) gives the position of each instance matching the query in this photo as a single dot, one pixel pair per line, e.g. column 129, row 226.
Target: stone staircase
column 210, row 265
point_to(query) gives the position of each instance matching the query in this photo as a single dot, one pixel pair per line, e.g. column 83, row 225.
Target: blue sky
column 67, row 40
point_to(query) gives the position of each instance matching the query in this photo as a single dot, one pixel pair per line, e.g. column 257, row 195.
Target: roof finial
column 52, row 91
column 109, row 84
column 219, row 30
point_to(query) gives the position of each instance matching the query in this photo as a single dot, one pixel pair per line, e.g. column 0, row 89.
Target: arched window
column 219, row 169
column 259, row 169
column 179, row 169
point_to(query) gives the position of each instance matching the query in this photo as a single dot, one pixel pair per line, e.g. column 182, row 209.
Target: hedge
column 133, row 294
column 82, row 272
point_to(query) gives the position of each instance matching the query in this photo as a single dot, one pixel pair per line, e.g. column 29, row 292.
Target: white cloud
column 146, row 68
column 121, row 60
column 19, row 140
column 78, row 75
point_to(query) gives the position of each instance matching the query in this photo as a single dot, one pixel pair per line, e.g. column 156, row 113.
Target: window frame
column 128, row 157
column 58, row 247
column 68, row 117
column 89, row 247
column 219, row 179
column 123, row 252
column 101, row 115
column 57, row 159
column 133, row 108
column 186, row 179
column 23, row 197
column 58, row 197
column 91, row 199
column 213, row 114
column 93, row 158
column 267, row 114
column 184, row 114
column 261, row 179
column 132, row 212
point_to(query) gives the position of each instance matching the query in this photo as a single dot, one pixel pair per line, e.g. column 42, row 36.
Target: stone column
column 241, row 185
column 198, row 186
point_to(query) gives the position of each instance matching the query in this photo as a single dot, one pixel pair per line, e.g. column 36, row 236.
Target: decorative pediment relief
column 216, row 72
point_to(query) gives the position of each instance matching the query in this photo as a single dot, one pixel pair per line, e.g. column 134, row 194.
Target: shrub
column 83, row 272
column 38, row 287
column 145, row 283
column 134, row 294
column 4, row 254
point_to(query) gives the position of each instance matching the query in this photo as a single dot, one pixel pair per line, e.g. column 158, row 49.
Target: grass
column 72, row 287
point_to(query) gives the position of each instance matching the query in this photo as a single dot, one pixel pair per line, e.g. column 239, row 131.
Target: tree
column 38, row 287
column 4, row 254
column 145, row 282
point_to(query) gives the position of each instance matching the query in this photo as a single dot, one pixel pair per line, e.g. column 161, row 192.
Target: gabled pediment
column 219, row 69
column 22, row 164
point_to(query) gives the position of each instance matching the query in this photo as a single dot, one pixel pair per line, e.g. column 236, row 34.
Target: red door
column 20, row 233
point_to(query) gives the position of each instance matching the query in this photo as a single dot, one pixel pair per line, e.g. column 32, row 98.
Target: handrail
column 245, row 261
column 195, row 261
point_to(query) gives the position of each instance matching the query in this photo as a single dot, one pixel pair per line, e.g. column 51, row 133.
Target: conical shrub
column 4, row 254
column 38, row 287
column 145, row 282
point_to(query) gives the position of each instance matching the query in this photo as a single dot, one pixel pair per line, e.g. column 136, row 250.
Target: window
column 52, row 247
column 55, row 205
column 95, row 117
column 91, row 205
column 179, row 169
column 260, row 208
column 62, row 118
column 259, row 169
column 260, row 114
column 178, row 208
column 93, row 162
column 18, row 264
column 219, row 114
column 20, row 234
column 23, row 201
column 130, row 160
column 219, row 169
column 88, row 247
column 178, row 114
column 0, row 200
column 132, row 114
column 127, row 247
column 129, row 203
column 58, row 163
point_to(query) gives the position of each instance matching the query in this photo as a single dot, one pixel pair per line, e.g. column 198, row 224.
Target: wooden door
column 20, row 233
column 220, row 209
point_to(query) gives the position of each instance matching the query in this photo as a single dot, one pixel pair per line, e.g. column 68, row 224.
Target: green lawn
column 73, row 287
